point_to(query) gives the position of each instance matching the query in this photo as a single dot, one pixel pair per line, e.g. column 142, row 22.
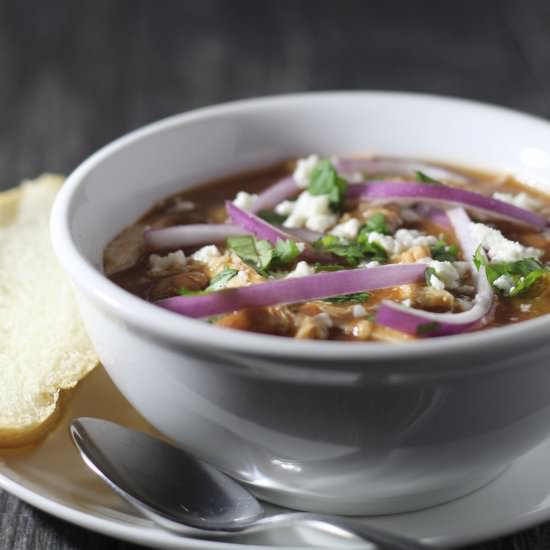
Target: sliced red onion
column 274, row 194
column 435, row 215
column 304, row 234
column 442, row 194
column 264, row 230
column 396, row 167
column 181, row 236
column 299, row 289
column 419, row 322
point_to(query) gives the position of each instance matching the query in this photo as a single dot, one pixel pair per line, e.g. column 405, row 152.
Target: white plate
column 52, row 477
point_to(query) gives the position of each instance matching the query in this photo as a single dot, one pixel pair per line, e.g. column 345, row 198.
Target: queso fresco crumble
column 375, row 248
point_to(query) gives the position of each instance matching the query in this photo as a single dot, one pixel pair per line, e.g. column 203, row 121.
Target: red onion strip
column 409, row 190
column 419, row 322
column 274, row 194
column 396, row 167
column 263, row 230
column 181, row 236
column 299, row 289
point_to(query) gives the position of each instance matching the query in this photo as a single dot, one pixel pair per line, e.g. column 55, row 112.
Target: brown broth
column 208, row 200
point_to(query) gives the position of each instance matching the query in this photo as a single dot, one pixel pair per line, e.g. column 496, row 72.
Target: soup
column 359, row 249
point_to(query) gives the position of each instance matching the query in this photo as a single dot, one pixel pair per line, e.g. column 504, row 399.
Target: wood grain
column 75, row 75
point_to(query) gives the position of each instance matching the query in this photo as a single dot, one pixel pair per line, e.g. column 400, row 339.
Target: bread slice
column 44, row 347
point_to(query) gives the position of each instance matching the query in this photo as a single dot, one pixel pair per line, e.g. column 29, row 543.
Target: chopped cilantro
column 444, row 252
column 221, row 279
column 524, row 273
column 428, row 275
column 355, row 298
column 326, row 181
column 424, row 178
column 353, row 252
column 328, row 267
column 427, row 328
column 270, row 216
column 376, row 223
column 261, row 254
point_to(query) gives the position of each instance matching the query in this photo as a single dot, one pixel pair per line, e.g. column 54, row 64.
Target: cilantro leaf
column 377, row 224
column 523, row 273
column 428, row 275
column 424, row 178
column 270, row 216
column 444, row 252
column 355, row 298
column 221, row 279
column 427, row 328
column 261, row 254
column 353, row 252
column 326, row 181
column 285, row 252
column 328, row 267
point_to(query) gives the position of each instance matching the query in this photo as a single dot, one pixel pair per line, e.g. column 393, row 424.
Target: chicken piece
column 387, row 334
column 124, row 251
column 316, row 327
column 412, row 255
column 434, row 299
column 271, row 320
column 193, row 278
column 359, row 329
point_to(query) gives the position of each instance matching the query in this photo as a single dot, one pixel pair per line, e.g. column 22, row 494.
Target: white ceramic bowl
column 339, row 427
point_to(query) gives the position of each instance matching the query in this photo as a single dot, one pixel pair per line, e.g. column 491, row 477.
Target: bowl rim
column 197, row 334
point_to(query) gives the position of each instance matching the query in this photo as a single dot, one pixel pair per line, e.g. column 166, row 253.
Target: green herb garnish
column 427, row 328
column 375, row 224
column 325, row 180
column 353, row 252
column 355, row 298
column 523, row 273
column 424, row 178
column 444, row 252
column 261, row 254
column 428, row 275
column 221, row 279
column 270, row 216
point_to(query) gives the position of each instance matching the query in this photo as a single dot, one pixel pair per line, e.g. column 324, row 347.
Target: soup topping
column 353, row 249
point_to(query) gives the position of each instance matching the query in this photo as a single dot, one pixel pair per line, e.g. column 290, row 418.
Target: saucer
column 51, row 476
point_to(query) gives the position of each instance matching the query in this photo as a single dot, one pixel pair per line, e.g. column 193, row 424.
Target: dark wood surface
column 74, row 75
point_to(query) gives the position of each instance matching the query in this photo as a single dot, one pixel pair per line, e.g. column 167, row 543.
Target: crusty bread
column 43, row 345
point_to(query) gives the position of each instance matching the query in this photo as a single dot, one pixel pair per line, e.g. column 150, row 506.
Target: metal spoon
column 187, row 496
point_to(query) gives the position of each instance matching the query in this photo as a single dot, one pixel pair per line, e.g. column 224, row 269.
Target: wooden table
column 75, row 75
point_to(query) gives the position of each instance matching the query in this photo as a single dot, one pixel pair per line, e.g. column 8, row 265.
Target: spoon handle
column 382, row 540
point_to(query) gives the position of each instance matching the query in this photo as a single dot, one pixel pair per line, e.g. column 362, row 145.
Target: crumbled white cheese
column 284, row 208
column 461, row 267
column 311, row 211
column 372, row 263
column 436, row 282
column 521, row 200
column 244, row 200
column 241, row 279
column 346, row 230
column 173, row 260
column 446, row 273
column 358, row 310
column 504, row 282
column 407, row 302
column 407, row 238
column 303, row 170
column 302, row 269
column 525, row 307
column 402, row 240
column 499, row 248
column 206, row 254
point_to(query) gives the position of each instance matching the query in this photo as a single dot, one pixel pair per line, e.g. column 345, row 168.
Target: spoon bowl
column 183, row 494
